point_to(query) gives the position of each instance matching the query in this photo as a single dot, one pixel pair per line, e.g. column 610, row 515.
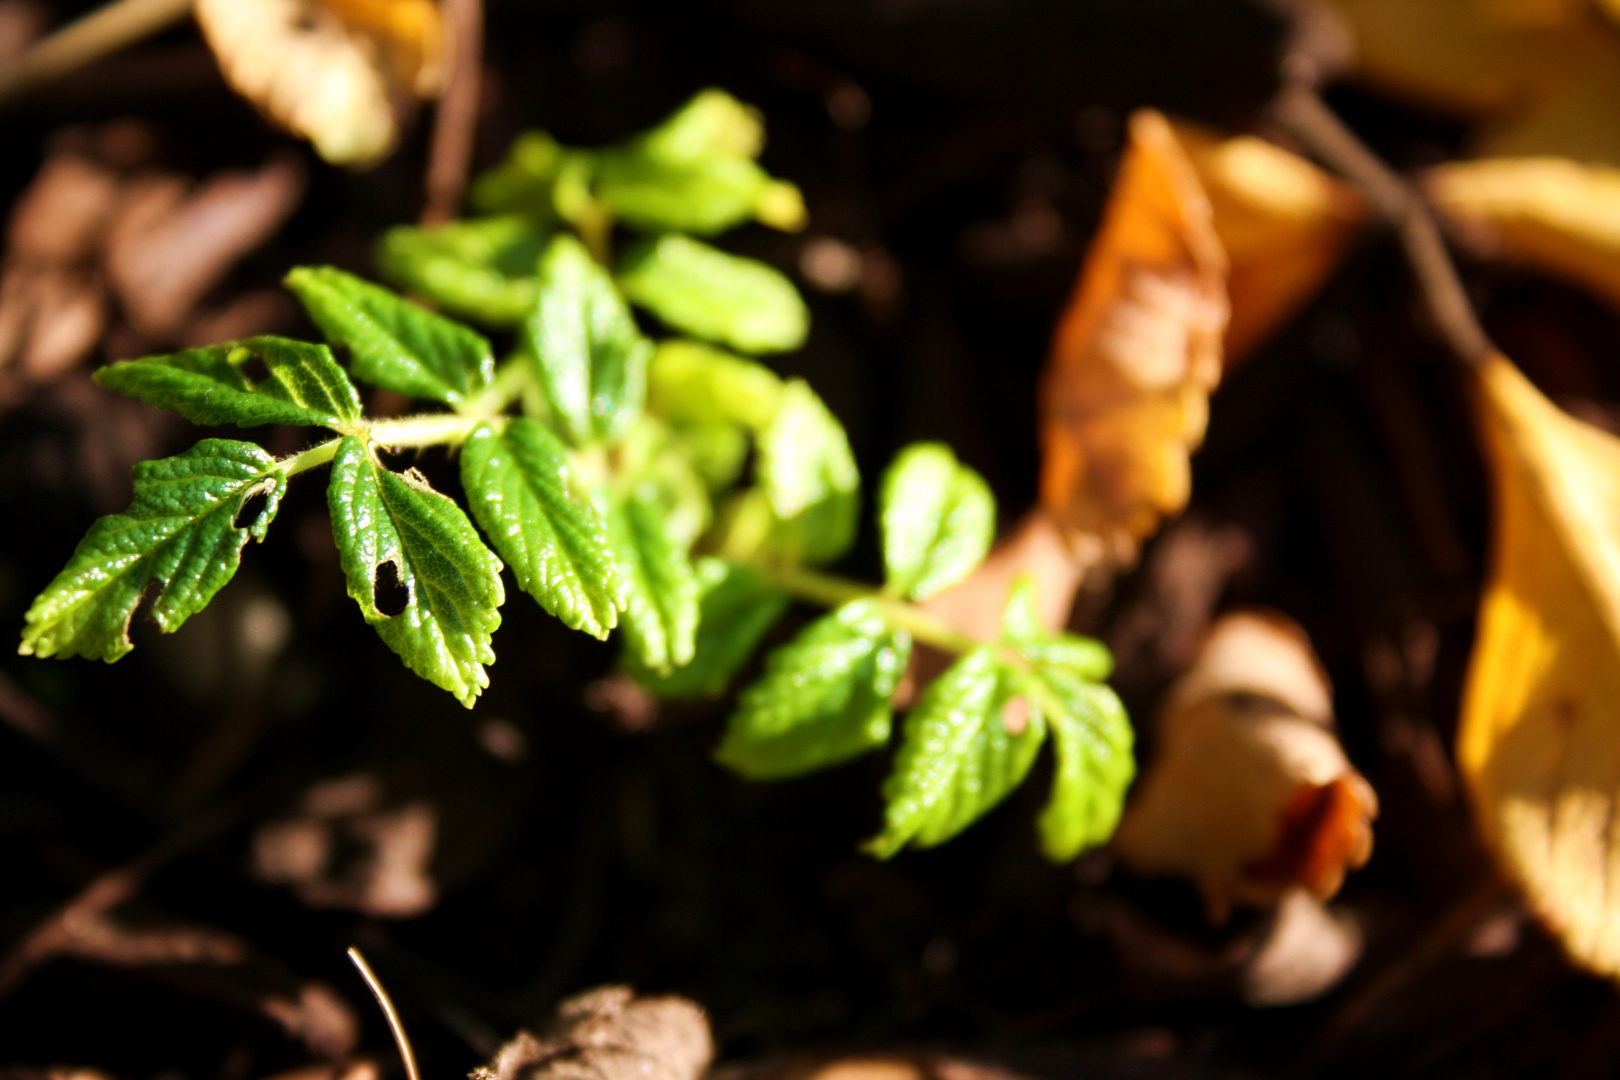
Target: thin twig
column 405, row 1052
column 100, row 33
column 450, row 156
column 1303, row 113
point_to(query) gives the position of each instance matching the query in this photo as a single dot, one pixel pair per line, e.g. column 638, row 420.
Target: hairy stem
column 1304, row 114
column 305, row 460
column 830, row 591
column 100, row 33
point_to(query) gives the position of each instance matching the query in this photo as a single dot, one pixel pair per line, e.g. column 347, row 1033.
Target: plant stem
column 315, row 456
column 830, row 591
column 103, row 31
column 457, row 117
column 429, row 429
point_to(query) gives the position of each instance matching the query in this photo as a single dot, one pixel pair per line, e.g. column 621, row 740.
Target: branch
column 100, row 33
column 1303, row 113
column 454, row 126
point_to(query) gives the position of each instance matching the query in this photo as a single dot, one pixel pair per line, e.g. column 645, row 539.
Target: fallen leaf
column 610, row 1034
column 1539, row 741
column 1124, row 399
column 1282, row 222
column 330, row 71
column 1553, row 214
column 1249, row 794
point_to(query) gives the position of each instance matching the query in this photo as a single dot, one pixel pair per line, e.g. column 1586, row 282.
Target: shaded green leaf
column 479, row 268
column 523, row 182
column 520, row 491
column 452, row 581
column 208, row 386
column 1095, row 765
column 392, row 342
column 808, row 474
column 737, row 605
column 661, row 608
column 179, row 532
column 823, row 699
column 591, row 357
column 695, row 383
column 961, row 754
column 716, row 296
column 938, row 520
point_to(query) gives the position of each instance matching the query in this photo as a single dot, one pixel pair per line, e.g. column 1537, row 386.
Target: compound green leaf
column 1094, row 763
column 305, row 385
column 522, row 183
column 392, row 342
column 180, row 532
column 520, row 490
column 823, row 699
column 661, row 610
column 966, row 746
column 938, row 520
column 694, row 383
column 737, row 605
column 480, row 268
column 1086, row 658
column 591, row 357
column 712, row 123
column 451, row 580
column 716, row 296
column 808, row 474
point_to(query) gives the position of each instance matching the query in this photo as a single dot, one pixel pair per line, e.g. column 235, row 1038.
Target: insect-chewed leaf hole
column 248, row 513
column 151, row 593
column 254, row 369
column 389, row 595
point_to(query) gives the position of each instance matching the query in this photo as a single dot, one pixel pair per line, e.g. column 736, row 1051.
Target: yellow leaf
column 1282, row 222
column 1250, row 795
column 329, row 70
column 1124, row 399
column 1550, row 213
column 1539, row 741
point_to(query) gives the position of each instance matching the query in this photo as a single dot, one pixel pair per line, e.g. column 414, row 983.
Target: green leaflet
column 959, row 757
column 710, row 294
column 824, row 697
column 591, row 357
column 938, row 520
column 1087, row 658
column 738, row 605
column 712, row 123
column 452, row 579
column 393, row 343
column 808, row 474
column 520, row 491
column 523, row 182
column 479, row 268
column 1094, row 763
column 697, row 384
column 661, row 610
column 207, row 386
column 180, row 532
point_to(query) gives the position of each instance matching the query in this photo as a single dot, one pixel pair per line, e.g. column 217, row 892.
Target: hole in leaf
column 254, row 369
column 389, row 595
column 151, row 593
column 248, row 513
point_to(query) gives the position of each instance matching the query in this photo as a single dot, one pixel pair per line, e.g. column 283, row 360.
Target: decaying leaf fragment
column 332, row 71
column 1553, row 214
column 1539, row 742
column 1250, row 794
column 1282, row 222
column 610, row 1034
column 1124, row 399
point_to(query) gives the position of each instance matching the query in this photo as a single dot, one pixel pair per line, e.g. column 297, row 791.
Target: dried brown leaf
column 610, row 1034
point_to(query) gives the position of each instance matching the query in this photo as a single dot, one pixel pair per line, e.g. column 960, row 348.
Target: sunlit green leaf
column 452, row 581
column 823, row 699
column 938, row 520
column 711, row 123
column 522, row 183
column 480, row 268
column 520, row 491
column 808, row 474
column 591, row 357
column 738, row 605
column 661, row 608
column 208, row 386
column 392, row 342
column 968, row 742
column 180, row 533
column 1094, row 763
column 1086, row 658
column 691, row 382
column 710, row 294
